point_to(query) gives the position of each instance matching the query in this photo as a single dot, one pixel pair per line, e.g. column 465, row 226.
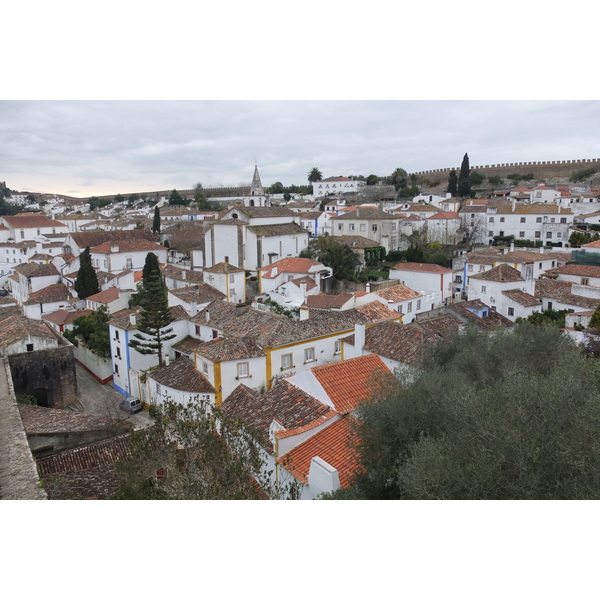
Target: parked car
column 3, row 293
column 131, row 404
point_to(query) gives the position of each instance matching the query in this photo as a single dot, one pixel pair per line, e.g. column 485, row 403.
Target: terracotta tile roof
column 376, row 311
column 594, row 244
column 230, row 349
column 337, row 445
column 576, row 270
column 18, row 327
column 421, row 267
column 97, row 237
column 39, row 420
column 561, row 292
column 277, row 229
column 121, row 319
column 311, row 215
column 181, row 375
column 350, row 382
column 187, row 275
column 445, row 215
column 290, row 406
column 87, row 472
column 25, row 221
column 36, row 270
column 366, row 214
column 493, row 320
column 356, row 241
column 66, row 317
column 289, row 265
column 200, row 293
column 106, row 296
column 264, row 211
column 188, row 345
column 522, row 298
column 57, row 292
column 501, row 273
column 271, row 330
column 327, row 301
column 441, row 327
column 398, row 293
column 223, row 267
column 115, row 247
column 308, row 281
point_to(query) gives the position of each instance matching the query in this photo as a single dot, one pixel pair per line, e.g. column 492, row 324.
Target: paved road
column 103, row 400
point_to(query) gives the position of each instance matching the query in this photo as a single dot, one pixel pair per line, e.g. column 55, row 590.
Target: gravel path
column 103, row 400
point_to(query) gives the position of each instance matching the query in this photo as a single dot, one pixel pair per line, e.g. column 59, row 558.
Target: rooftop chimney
column 132, row 319
column 359, row 337
column 193, row 308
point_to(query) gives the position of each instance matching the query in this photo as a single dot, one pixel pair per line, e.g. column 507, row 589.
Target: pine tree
column 453, row 183
column 156, row 221
column 86, row 283
column 155, row 315
column 464, row 183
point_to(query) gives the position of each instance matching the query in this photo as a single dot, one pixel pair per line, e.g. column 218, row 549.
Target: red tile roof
column 105, row 296
column 337, row 445
column 126, row 246
column 421, row 267
column 289, row 265
column 350, row 382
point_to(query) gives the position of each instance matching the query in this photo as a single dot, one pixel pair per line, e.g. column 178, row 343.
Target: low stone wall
column 100, row 368
column 19, row 479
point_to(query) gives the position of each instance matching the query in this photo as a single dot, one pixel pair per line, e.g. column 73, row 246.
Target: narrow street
column 103, row 400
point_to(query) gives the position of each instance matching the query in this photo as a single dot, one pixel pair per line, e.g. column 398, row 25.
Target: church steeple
column 256, row 189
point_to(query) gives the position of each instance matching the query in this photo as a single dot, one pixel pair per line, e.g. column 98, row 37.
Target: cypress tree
column 86, row 283
column 453, row 183
column 156, row 221
column 464, row 183
column 155, row 315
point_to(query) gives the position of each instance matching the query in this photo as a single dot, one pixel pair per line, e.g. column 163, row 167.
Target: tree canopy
column 315, row 175
column 156, row 220
column 513, row 415
column 155, row 315
column 464, row 180
column 93, row 330
column 183, row 457
column 86, row 283
column 341, row 258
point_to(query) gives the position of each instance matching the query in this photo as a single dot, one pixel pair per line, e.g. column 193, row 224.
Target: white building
column 430, row 280
column 337, row 185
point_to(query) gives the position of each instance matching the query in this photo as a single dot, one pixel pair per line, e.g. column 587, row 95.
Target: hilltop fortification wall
column 540, row 170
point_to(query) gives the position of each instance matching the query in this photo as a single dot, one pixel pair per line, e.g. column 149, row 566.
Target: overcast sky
column 84, row 148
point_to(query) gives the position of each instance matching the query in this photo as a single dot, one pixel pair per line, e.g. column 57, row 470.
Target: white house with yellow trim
column 228, row 279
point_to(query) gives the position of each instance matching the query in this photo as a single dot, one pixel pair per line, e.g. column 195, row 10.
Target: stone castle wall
column 540, row 170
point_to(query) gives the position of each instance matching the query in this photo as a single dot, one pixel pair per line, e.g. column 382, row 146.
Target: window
column 490, row 234
column 538, row 234
column 231, row 278
column 469, row 267
column 563, row 219
column 158, row 389
column 409, row 307
column 363, row 226
column 491, row 220
column 374, row 228
column 286, row 361
column 558, row 234
column 538, row 219
column 204, row 368
column 549, row 305
column 309, row 355
column 418, row 305
column 523, row 220
column 243, row 370
column 118, row 352
column 501, row 219
column 481, row 268
column 215, row 334
column 340, row 227
column 337, row 348
column 22, row 233
column 116, row 368
column 521, row 234
column 351, row 227
column 197, row 329
column 584, row 281
column 29, row 347
column 548, row 235
column 511, row 311
column 483, row 289
column 116, row 335
column 129, row 263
